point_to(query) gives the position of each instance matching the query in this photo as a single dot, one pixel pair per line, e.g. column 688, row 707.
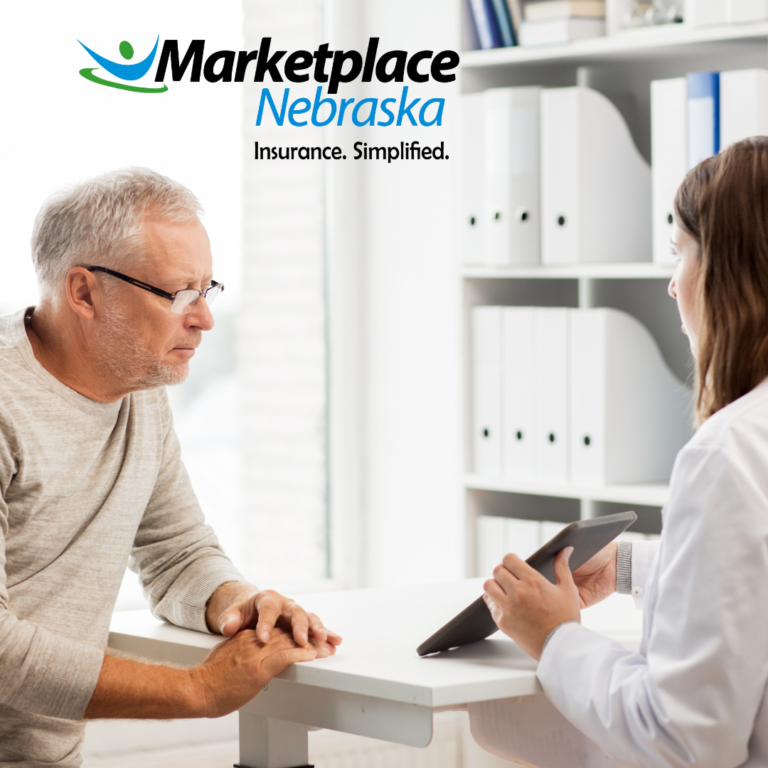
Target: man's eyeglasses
column 181, row 301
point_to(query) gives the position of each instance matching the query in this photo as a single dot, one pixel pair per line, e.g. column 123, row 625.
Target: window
column 252, row 415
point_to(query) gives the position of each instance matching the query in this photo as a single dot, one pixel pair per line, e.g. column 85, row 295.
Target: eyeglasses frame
column 151, row 288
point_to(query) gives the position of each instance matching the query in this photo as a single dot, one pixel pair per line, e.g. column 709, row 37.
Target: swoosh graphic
column 87, row 73
column 125, row 71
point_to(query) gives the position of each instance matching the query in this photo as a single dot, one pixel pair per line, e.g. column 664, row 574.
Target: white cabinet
column 621, row 67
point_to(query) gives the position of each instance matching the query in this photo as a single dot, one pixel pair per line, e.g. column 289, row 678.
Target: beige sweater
column 83, row 486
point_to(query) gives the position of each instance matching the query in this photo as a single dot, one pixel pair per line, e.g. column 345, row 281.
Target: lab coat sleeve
column 643, row 553
column 693, row 698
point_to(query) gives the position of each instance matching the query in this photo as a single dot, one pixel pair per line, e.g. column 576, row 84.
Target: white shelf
column 667, row 41
column 648, row 494
column 614, row 271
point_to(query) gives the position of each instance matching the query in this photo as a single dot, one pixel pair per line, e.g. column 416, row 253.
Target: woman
column 696, row 692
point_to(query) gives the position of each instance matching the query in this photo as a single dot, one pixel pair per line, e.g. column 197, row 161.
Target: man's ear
column 83, row 292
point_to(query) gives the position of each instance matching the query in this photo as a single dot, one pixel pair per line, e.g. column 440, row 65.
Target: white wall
column 411, row 320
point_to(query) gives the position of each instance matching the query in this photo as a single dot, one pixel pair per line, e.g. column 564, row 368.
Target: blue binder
column 486, row 24
column 506, row 28
column 703, row 116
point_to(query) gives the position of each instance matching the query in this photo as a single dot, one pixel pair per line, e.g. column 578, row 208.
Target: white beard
column 122, row 356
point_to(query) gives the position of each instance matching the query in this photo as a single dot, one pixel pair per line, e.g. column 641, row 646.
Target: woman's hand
column 526, row 606
column 596, row 579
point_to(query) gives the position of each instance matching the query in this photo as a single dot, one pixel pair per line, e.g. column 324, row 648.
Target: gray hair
column 99, row 221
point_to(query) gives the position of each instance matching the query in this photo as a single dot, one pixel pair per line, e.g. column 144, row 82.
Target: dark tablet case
column 587, row 537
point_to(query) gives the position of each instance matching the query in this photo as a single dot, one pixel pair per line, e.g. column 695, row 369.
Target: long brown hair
column 723, row 204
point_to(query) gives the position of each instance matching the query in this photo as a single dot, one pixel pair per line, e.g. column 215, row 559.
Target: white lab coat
column 696, row 692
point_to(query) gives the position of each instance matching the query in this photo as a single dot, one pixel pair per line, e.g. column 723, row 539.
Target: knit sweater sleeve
column 40, row 672
column 177, row 555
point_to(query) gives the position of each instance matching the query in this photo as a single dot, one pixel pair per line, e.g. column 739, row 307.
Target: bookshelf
column 647, row 494
column 664, row 42
column 621, row 67
column 616, row 271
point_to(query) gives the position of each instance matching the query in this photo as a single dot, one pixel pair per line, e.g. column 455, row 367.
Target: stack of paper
column 550, row 22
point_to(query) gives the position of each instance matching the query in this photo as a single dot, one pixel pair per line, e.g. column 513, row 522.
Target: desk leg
column 269, row 743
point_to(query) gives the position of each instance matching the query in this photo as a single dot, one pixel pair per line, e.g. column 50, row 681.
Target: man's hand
column 596, row 579
column 237, row 669
column 232, row 674
column 236, row 606
column 526, row 606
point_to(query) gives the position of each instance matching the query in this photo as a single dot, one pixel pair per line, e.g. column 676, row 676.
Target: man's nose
column 200, row 315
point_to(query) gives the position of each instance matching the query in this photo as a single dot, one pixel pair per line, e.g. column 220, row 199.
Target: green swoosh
column 87, row 73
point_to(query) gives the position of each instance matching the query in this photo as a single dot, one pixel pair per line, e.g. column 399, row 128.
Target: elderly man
column 90, row 475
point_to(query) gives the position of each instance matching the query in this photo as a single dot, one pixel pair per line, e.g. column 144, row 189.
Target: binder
column 550, row 529
column 669, row 150
column 511, row 218
column 703, row 116
column 516, row 14
column 519, row 384
column 471, row 187
column 740, row 11
column 491, row 544
column 523, row 537
column 496, row 536
column 701, row 13
column 504, row 20
column 486, row 390
column 551, row 377
column 629, row 414
column 743, row 105
column 596, row 187
column 486, row 24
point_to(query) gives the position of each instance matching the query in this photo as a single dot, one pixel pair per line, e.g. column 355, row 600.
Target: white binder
column 596, row 187
column 512, row 216
column 743, row 105
column 491, row 543
column 496, row 536
column 550, row 529
column 471, row 185
column 701, row 13
column 669, row 158
column 629, row 415
column 523, row 537
column 518, row 392
column 551, row 367
column 486, row 390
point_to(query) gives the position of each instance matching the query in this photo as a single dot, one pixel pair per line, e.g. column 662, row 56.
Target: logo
column 122, row 71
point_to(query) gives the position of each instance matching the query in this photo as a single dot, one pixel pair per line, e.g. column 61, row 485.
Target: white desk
column 376, row 685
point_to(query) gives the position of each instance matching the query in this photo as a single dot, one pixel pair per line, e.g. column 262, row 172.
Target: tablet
column 587, row 537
